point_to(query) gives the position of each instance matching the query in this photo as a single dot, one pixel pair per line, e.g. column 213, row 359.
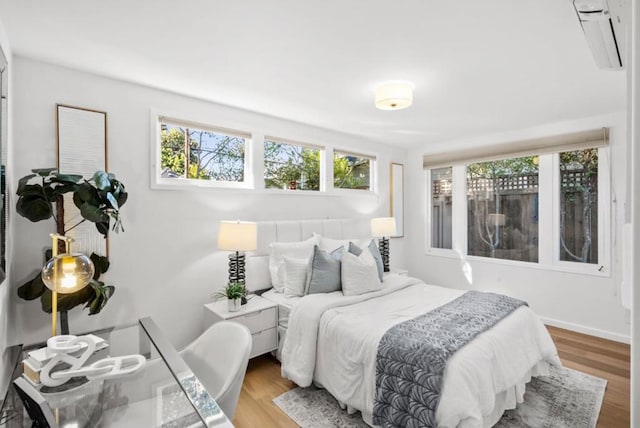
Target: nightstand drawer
column 263, row 342
column 258, row 320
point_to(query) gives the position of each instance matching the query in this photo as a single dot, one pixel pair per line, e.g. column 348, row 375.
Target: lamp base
column 383, row 246
column 237, row 262
column 236, row 267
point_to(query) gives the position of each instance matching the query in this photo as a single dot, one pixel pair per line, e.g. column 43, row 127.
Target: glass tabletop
column 163, row 393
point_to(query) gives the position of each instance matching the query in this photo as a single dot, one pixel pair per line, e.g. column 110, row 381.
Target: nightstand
column 402, row 272
column 259, row 315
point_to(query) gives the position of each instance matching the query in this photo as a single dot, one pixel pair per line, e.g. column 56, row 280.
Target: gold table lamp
column 65, row 273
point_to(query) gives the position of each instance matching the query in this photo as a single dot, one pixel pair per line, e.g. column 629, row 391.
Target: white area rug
column 566, row 399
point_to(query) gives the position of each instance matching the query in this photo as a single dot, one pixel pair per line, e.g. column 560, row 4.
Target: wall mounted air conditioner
column 599, row 29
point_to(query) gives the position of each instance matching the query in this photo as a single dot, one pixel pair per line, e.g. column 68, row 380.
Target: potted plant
column 99, row 200
column 234, row 292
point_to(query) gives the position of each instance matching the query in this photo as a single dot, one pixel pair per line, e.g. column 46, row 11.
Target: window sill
column 563, row 267
column 243, row 189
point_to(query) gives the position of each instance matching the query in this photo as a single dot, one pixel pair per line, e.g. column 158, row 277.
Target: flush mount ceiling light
column 394, row 95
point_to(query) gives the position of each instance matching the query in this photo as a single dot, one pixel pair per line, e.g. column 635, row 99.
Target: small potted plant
column 234, row 293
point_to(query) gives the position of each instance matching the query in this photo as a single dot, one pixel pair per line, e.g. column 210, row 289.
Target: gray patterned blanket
column 412, row 356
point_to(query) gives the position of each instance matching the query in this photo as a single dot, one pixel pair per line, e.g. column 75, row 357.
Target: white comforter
column 333, row 340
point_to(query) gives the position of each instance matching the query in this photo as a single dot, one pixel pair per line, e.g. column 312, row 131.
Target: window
column 543, row 202
column 291, row 166
column 502, row 209
column 195, row 152
column 441, row 214
column 579, row 206
column 352, row 171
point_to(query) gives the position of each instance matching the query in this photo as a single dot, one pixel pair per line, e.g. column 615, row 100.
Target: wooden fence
column 518, row 197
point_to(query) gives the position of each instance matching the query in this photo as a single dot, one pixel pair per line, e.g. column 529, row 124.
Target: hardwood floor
column 598, row 357
column 603, row 358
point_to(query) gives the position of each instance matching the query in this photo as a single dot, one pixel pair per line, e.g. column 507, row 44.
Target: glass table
column 164, row 393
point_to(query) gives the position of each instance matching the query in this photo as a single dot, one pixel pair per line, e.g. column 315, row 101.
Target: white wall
column 166, row 264
column 590, row 304
column 634, row 115
column 5, row 288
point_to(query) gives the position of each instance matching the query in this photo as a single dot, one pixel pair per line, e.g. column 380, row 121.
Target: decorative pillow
column 324, row 272
column 295, row 276
column 373, row 249
column 280, row 250
column 329, row 244
column 359, row 274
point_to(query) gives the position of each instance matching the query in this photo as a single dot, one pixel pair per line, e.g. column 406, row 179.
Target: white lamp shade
column 238, row 236
column 67, row 273
column 383, row 226
column 394, row 95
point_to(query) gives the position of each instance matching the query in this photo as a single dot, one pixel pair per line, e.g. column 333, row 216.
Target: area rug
column 565, row 399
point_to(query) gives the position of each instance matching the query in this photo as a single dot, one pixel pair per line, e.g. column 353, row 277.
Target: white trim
column 373, row 171
column 172, row 121
column 348, row 152
column 604, row 334
column 546, row 203
column 564, row 268
column 603, row 264
column 459, row 240
column 567, row 267
column 256, row 164
column 548, row 220
column 428, row 208
column 290, row 142
column 178, row 183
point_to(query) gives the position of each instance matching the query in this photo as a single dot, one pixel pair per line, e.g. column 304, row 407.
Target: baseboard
column 617, row 337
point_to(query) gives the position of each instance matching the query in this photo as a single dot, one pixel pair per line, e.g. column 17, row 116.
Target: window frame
column 604, row 217
column 321, row 149
column 548, row 217
column 158, row 182
column 373, row 165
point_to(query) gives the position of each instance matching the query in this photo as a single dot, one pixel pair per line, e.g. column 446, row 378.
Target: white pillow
column 280, row 250
column 359, row 274
column 329, row 244
column 295, row 276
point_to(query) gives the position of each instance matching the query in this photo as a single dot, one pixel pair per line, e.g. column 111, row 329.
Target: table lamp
column 237, row 236
column 383, row 227
column 65, row 273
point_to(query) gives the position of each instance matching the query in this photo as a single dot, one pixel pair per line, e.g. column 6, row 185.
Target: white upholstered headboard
column 257, row 268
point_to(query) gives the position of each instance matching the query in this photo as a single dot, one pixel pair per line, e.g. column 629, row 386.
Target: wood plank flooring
column 598, row 357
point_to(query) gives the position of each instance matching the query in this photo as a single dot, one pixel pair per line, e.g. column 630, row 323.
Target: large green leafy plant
column 99, row 200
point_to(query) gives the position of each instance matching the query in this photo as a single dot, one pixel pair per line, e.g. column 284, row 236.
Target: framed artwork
column 396, row 200
column 82, row 149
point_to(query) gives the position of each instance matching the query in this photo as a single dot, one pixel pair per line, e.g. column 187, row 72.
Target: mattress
column 285, row 304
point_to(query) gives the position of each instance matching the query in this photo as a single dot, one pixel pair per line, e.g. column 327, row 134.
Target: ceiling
column 479, row 66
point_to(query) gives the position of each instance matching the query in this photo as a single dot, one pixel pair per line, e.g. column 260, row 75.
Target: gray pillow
column 324, row 272
column 355, row 250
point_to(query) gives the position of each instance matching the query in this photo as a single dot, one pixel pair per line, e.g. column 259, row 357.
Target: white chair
column 219, row 360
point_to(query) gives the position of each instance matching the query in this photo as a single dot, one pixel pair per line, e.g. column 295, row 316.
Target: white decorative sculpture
column 64, row 346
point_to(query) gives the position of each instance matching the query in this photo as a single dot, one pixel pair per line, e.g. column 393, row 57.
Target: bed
column 331, row 340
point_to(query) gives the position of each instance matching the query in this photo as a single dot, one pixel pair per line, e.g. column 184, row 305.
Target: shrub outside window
column 198, row 153
column 502, row 209
column 352, row 171
column 291, row 166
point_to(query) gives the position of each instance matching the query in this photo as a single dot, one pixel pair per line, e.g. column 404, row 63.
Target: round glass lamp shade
column 394, row 95
column 67, row 273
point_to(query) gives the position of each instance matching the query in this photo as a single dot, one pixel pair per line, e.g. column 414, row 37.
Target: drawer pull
column 254, row 314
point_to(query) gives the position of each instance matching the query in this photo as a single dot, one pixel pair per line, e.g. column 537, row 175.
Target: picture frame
column 82, row 149
column 396, row 197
